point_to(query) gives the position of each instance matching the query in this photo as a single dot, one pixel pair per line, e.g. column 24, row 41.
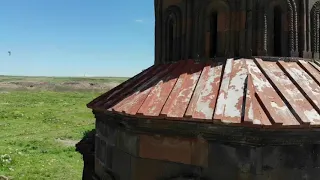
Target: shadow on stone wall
column 86, row 148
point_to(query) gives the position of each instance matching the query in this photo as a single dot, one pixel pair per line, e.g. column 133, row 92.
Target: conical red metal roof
column 236, row 91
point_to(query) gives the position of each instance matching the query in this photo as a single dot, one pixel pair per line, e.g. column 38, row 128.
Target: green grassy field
column 38, row 130
column 62, row 79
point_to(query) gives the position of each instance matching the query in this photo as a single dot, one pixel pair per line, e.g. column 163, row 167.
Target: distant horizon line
column 63, row 76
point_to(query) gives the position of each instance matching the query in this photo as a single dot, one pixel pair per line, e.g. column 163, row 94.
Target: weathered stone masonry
column 133, row 148
column 244, row 28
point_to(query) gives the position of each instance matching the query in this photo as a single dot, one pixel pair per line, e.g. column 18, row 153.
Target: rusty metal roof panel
column 242, row 92
column 203, row 101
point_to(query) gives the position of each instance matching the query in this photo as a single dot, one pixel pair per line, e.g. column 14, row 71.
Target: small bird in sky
column 9, row 52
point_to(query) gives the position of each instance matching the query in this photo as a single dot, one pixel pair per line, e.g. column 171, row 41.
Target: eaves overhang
column 258, row 93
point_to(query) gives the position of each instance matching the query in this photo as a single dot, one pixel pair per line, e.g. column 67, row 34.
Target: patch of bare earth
column 56, row 86
column 67, row 142
column 2, row 177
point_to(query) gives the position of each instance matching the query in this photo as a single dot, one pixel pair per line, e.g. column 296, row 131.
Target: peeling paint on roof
column 235, row 91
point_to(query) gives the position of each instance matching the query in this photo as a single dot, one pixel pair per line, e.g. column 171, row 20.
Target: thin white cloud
column 139, row 21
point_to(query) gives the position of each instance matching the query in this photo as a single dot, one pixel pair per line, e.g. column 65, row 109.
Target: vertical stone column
column 226, row 33
column 180, row 33
column 291, row 30
column 201, row 33
column 185, row 34
column 306, row 48
column 181, row 37
column 262, row 31
column 158, row 32
column 309, row 21
column 265, row 34
column 316, row 46
column 295, row 29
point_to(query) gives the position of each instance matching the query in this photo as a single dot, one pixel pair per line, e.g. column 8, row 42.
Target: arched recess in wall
column 213, row 28
column 172, row 34
column 217, row 27
column 315, row 25
column 279, row 34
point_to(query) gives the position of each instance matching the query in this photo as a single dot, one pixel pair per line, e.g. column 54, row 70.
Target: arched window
column 172, row 34
column 213, row 31
column 213, row 34
column 277, row 31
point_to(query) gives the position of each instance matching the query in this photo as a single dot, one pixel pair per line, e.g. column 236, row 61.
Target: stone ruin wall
column 137, row 156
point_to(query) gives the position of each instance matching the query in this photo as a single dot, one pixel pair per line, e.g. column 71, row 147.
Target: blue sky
column 76, row 37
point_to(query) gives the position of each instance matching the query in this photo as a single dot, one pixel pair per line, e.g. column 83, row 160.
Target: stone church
column 234, row 94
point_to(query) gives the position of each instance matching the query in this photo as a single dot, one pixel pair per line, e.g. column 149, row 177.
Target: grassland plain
column 39, row 126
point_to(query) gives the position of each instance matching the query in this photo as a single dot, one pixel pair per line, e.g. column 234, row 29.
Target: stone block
column 175, row 149
column 294, row 54
column 307, row 54
column 128, row 142
column 147, row 169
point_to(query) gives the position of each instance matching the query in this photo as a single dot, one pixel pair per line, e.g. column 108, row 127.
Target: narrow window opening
column 313, row 27
column 318, row 31
column 277, row 30
column 170, row 40
column 213, row 34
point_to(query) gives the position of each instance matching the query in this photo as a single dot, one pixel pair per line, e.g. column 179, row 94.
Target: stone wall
column 245, row 28
column 139, row 156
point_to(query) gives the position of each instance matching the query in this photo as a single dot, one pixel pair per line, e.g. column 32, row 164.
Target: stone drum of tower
column 188, row 29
